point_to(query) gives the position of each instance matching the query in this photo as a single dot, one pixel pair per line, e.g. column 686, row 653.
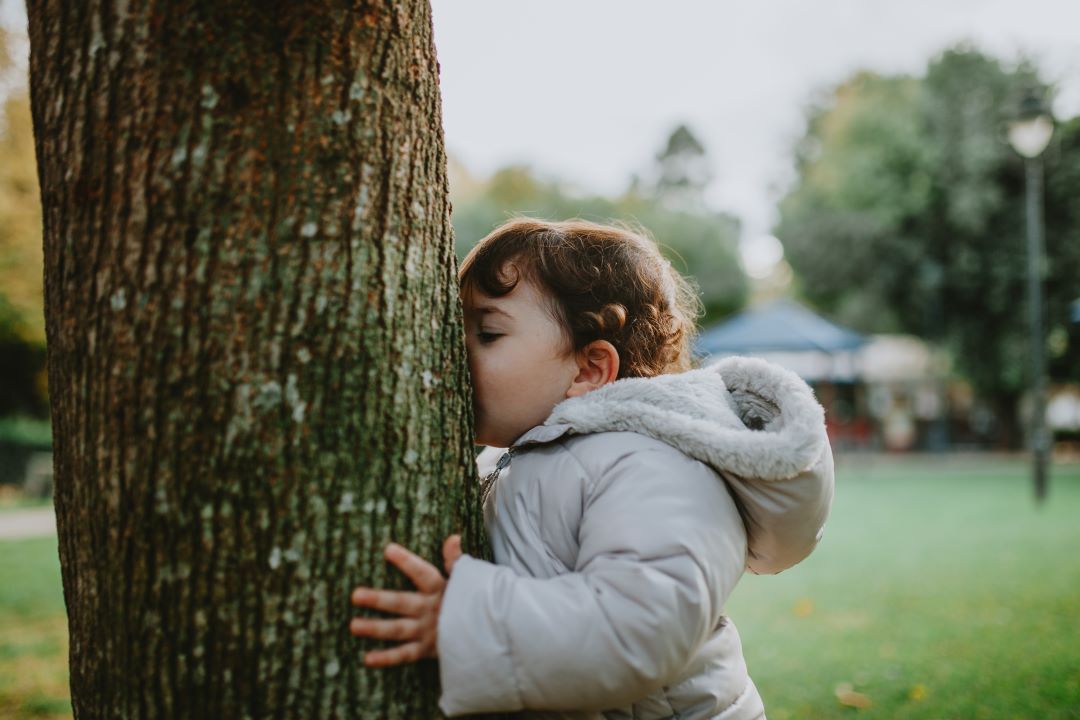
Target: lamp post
column 1029, row 135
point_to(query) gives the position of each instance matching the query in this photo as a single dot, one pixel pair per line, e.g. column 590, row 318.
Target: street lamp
column 1029, row 134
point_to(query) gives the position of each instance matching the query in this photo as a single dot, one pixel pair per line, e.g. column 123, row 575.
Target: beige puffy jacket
column 620, row 528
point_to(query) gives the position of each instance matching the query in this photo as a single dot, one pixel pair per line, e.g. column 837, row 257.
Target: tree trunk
column 256, row 360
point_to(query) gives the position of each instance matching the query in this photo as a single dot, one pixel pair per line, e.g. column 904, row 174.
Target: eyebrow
column 489, row 309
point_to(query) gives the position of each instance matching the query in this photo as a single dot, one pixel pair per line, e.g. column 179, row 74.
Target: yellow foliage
column 21, row 263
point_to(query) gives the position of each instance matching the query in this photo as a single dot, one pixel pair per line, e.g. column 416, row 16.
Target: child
column 620, row 511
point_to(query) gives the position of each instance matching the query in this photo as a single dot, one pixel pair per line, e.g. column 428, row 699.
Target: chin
column 489, row 439
column 482, row 437
column 491, row 442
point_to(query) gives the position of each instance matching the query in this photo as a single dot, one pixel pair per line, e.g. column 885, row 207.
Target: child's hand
column 417, row 629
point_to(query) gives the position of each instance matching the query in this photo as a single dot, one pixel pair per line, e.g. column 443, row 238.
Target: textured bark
column 256, row 360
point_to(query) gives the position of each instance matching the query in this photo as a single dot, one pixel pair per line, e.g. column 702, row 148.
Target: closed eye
column 487, row 337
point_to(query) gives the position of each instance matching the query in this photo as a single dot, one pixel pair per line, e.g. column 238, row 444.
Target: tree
column 908, row 216
column 1062, row 168
column 22, row 321
column 255, row 348
column 699, row 243
column 682, row 170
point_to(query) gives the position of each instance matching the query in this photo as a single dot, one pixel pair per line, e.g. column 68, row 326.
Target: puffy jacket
column 619, row 529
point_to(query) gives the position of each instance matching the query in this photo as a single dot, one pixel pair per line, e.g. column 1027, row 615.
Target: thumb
column 451, row 551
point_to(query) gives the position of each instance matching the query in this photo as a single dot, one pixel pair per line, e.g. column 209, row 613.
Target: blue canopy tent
column 787, row 332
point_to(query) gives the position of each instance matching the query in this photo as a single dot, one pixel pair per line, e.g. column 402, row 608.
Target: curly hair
column 603, row 283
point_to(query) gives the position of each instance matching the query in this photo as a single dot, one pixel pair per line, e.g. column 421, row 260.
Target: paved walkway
column 19, row 524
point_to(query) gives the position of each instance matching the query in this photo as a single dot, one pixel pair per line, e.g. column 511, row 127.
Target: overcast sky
column 588, row 89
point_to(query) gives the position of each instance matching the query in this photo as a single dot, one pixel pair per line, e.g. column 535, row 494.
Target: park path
column 20, row 524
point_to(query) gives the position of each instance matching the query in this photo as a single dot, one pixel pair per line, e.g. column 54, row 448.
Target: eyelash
column 487, row 337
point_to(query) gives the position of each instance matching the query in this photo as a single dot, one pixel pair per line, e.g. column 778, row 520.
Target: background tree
column 1062, row 216
column 255, row 349
column 22, row 321
column 699, row 242
column 683, row 170
column 908, row 216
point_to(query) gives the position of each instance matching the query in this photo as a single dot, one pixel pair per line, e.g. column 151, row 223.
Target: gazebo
column 821, row 352
column 790, row 335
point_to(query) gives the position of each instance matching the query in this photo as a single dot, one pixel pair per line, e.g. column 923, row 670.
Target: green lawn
column 939, row 592
column 33, row 631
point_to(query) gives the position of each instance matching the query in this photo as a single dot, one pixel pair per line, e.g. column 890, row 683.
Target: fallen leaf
column 804, row 607
column 847, row 696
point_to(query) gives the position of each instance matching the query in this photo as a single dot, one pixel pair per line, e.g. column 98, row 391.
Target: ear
column 598, row 365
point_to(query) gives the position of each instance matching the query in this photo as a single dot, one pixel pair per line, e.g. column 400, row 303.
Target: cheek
column 482, row 365
column 471, row 360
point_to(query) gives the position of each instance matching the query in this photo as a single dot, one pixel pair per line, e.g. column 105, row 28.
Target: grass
column 33, row 632
column 938, row 592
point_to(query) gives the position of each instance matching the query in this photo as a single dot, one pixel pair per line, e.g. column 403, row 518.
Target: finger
column 451, row 551
column 399, row 629
column 391, row 601
column 424, row 575
column 409, row 652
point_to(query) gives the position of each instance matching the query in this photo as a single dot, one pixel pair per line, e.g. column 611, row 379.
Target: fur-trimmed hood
column 755, row 423
column 741, row 415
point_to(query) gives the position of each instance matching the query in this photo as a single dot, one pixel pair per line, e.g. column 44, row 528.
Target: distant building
column 879, row 391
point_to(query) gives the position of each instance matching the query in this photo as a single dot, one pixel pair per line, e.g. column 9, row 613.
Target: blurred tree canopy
column 684, row 171
column 700, row 243
column 22, row 321
column 908, row 215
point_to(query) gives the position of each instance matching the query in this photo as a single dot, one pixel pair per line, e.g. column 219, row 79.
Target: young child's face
column 518, row 360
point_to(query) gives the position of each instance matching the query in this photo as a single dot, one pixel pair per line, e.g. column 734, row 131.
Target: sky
column 588, row 90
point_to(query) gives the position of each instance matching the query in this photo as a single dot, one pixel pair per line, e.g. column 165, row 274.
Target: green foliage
column 683, row 171
column 1063, row 247
column 699, row 243
column 30, row 432
column 22, row 317
column 908, row 215
column 22, row 314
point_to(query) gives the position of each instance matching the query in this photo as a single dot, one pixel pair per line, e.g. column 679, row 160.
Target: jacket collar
column 543, row 434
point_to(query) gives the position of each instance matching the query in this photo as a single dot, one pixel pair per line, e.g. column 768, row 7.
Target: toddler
column 625, row 492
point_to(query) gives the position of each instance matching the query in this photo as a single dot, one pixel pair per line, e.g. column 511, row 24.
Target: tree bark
column 256, row 358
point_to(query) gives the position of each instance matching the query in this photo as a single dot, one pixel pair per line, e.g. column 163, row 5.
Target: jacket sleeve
column 661, row 547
